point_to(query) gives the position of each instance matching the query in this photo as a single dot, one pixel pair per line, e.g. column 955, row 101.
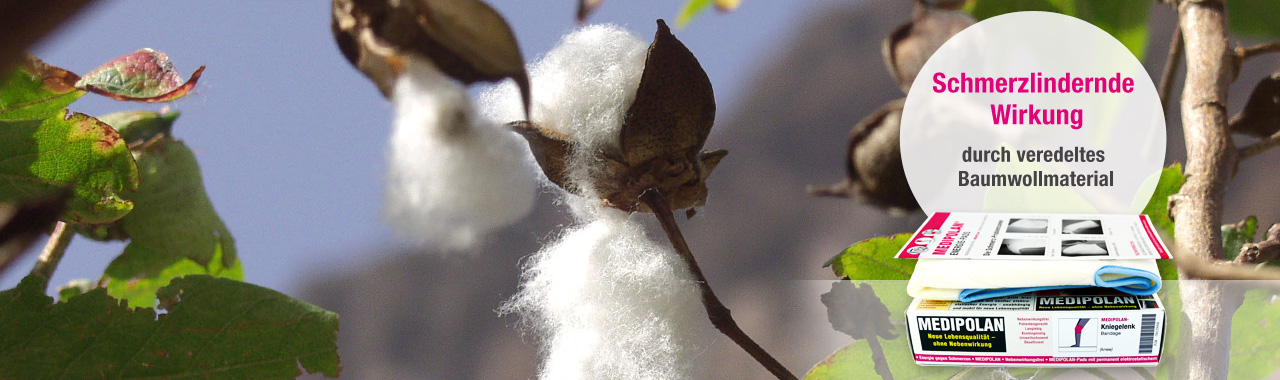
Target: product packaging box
column 1029, row 236
column 1083, row 327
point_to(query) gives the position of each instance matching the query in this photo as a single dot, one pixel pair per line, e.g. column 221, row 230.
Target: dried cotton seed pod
column 466, row 39
column 1261, row 115
column 910, row 45
column 660, row 142
column 875, row 162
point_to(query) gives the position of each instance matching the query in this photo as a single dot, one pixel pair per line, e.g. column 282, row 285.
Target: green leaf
column 74, row 288
column 690, row 10
column 1255, row 342
column 37, row 91
column 853, row 362
column 1171, row 179
column 140, row 288
column 1235, row 236
column 872, row 259
column 1126, row 20
column 1254, row 19
column 1171, row 296
column 140, row 126
column 144, row 76
column 173, row 229
column 214, row 328
column 48, row 150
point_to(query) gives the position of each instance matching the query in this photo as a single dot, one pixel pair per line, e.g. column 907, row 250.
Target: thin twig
column 1259, row 147
column 877, row 354
column 1246, row 52
column 716, row 311
column 1170, row 68
column 53, row 251
column 1199, row 269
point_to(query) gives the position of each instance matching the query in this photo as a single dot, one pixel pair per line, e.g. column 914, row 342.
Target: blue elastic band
column 1135, row 281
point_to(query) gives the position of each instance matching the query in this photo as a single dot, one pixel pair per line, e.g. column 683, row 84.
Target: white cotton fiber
column 612, row 304
column 581, row 88
column 451, row 175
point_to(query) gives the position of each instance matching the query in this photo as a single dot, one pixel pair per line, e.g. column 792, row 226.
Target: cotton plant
column 619, row 128
column 452, row 175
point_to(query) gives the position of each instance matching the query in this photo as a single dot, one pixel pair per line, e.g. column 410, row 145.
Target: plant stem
column 877, row 354
column 716, row 311
column 52, row 253
column 1170, row 69
column 1246, row 52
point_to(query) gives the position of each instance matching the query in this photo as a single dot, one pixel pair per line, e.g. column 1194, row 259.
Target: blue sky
column 291, row 139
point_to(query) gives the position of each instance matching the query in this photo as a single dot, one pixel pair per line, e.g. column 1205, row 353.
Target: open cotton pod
column 451, row 175
column 874, row 163
column 910, row 45
column 659, row 144
column 466, row 39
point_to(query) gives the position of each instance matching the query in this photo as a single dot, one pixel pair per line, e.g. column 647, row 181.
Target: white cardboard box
column 1039, row 330
column 1033, row 236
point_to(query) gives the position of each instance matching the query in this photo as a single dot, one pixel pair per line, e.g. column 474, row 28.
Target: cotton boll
column 582, row 87
column 451, row 175
column 612, row 304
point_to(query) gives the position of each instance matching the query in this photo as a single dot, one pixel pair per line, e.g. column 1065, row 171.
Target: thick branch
column 1210, row 153
column 53, row 251
column 716, row 311
column 1197, row 209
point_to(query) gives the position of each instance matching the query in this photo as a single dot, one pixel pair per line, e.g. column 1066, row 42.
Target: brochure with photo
column 1010, row 236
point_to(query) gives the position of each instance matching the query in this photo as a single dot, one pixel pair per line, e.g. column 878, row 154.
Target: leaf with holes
column 49, row 150
column 142, row 76
column 214, row 328
column 139, row 272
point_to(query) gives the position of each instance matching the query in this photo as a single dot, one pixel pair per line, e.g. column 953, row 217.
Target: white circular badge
column 1033, row 112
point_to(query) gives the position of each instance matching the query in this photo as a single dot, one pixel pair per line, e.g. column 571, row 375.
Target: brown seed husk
column 661, row 138
column 1261, row 114
column 874, row 163
column 909, row 46
column 466, row 39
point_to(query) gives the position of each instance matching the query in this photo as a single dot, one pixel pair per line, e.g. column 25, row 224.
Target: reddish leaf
column 142, row 76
